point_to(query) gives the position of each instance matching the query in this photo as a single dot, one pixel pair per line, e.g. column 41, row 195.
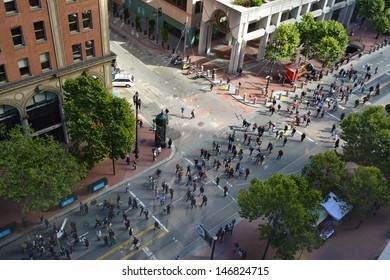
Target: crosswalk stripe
column 143, row 246
column 109, row 253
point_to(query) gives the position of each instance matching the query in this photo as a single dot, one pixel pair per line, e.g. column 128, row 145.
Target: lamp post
column 158, row 14
column 136, row 149
column 213, row 248
column 269, row 77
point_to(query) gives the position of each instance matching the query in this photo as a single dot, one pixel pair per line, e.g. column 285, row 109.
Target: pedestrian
column 225, row 191
column 201, row 191
column 142, row 210
column 47, row 223
column 146, row 212
column 336, row 144
column 235, row 246
column 139, row 103
column 130, row 229
column 156, row 225
column 193, row 202
column 247, row 172
column 193, row 114
column 303, row 136
column 211, row 86
column 166, row 111
column 169, row 143
column 308, row 121
column 293, row 131
column 98, row 234
column 204, row 201
column 284, row 141
column 217, row 179
column 128, row 160
column 182, row 110
column 280, row 154
column 171, row 192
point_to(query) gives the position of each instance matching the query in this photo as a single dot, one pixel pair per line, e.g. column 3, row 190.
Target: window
column 3, row 75
column 24, row 67
column 198, row 7
column 76, row 50
column 39, row 28
column 45, row 61
column 87, row 19
column 90, row 48
column 10, row 6
column 17, row 36
column 35, row 4
column 73, row 22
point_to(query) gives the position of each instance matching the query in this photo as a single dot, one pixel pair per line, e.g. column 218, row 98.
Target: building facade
column 42, row 43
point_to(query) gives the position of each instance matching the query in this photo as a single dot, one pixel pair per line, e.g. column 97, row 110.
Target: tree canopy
column 35, row 171
column 288, row 205
column 307, row 27
column 99, row 124
column 326, row 172
column 370, row 8
column 286, row 43
column 367, row 188
column 367, row 138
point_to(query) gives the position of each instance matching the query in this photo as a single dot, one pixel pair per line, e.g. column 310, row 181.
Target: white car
column 123, row 80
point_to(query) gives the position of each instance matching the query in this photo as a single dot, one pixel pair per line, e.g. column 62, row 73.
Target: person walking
column 171, row 190
column 156, row 225
column 303, row 136
column 284, row 141
column 247, row 172
column 225, row 190
column 193, row 114
column 211, row 86
column 217, row 179
column 280, row 154
column 169, row 143
column 336, row 144
column 204, row 201
column 201, row 191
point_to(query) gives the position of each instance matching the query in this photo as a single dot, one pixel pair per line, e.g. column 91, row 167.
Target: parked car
column 123, row 80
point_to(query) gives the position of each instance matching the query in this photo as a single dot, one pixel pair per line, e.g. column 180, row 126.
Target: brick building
column 42, row 43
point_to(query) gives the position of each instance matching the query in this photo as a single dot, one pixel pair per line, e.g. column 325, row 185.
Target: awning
column 336, row 207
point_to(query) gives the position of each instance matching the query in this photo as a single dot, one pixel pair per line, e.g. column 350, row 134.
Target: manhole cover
column 200, row 123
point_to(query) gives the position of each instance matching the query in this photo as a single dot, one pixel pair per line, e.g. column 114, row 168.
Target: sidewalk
column 11, row 212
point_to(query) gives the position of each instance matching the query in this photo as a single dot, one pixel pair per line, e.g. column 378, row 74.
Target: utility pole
column 185, row 39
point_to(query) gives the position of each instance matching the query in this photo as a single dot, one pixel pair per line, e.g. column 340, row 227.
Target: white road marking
column 333, row 116
column 188, row 160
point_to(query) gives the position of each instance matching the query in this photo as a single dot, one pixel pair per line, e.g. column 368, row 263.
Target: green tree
column 164, row 35
column 152, row 25
column 99, row 124
column 370, row 8
column 332, row 41
column 138, row 23
column 381, row 22
column 287, row 40
column 288, row 205
column 368, row 187
column 326, row 172
column 126, row 14
column 307, row 29
column 367, row 138
column 36, row 171
column 328, row 50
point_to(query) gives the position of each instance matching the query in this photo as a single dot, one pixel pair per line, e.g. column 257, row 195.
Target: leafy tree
column 35, row 171
column 288, row 205
column 164, row 35
column 307, row 29
column 328, row 50
column 367, row 188
column 152, row 24
column 369, row 8
column 126, row 14
column 99, row 124
column 367, row 137
column 381, row 22
column 248, row 3
column 326, row 172
column 138, row 22
column 286, row 43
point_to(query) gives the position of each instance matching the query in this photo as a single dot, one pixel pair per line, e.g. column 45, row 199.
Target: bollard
column 201, row 68
column 208, row 73
column 370, row 51
column 236, row 91
column 229, row 85
column 214, row 77
column 265, row 101
column 189, row 61
column 254, row 100
column 377, row 47
column 374, row 49
column 221, row 81
column 272, row 94
column 287, row 92
column 214, row 71
column 382, row 45
column 173, row 51
column 302, row 85
column 327, row 72
column 295, row 89
column 331, row 70
column 243, row 97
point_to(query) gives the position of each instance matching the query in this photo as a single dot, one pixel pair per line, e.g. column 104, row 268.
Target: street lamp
column 157, row 13
column 276, row 45
column 136, row 102
column 213, row 248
